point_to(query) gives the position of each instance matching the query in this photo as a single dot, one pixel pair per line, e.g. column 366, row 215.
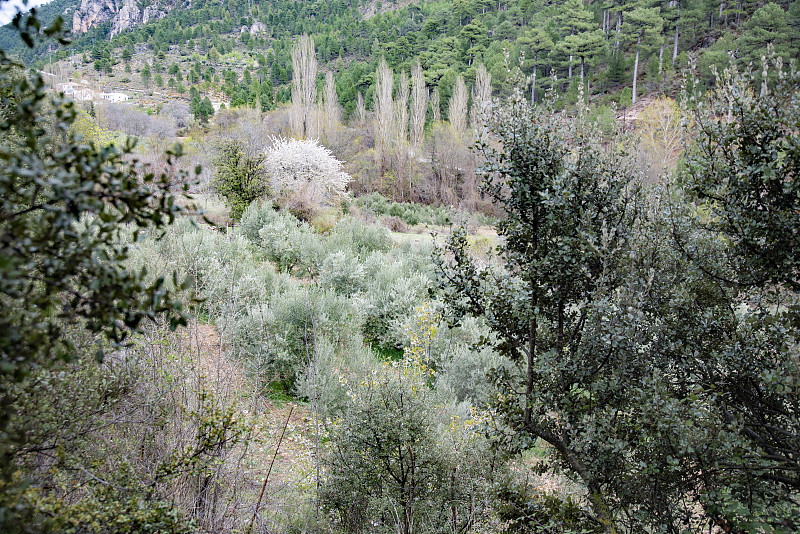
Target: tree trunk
column 408, row 509
column 581, row 70
column 533, row 84
column 570, row 66
column 531, row 355
column 675, row 46
column 600, row 508
column 661, row 55
column 635, row 70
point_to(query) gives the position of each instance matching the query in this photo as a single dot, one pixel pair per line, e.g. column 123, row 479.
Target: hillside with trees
column 618, row 49
column 445, row 267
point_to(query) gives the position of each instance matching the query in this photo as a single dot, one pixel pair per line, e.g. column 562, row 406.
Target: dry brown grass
column 289, row 489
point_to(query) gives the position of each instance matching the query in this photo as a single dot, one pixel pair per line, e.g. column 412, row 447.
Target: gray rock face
column 258, row 28
column 123, row 14
column 93, row 12
column 127, row 17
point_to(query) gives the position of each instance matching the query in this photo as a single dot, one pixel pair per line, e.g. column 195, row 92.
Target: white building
column 114, row 97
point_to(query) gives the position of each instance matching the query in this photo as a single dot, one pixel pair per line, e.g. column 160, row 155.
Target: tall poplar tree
column 304, row 87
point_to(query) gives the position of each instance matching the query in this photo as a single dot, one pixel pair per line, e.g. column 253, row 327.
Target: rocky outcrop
column 127, row 17
column 258, row 28
column 94, row 12
column 152, row 12
column 123, row 14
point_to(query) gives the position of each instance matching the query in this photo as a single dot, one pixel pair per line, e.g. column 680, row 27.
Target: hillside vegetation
column 601, row 43
column 459, row 298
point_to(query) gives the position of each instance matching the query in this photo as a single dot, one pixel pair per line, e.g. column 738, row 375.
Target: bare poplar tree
column 436, row 106
column 304, row 87
column 384, row 111
column 419, row 105
column 332, row 112
column 361, row 109
column 401, row 111
column 457, row 110
column 317, row 122
column 481, row 100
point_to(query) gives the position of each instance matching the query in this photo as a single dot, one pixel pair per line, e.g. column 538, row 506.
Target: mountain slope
column 617, row 49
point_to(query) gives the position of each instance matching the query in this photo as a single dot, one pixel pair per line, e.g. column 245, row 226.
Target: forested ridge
column 603, row 43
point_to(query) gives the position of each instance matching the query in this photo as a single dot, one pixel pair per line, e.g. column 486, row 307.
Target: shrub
column 278, row 338
column 342, row 273
column 395, row 224
column 291, row 244
column 361, row 239
column 393, row 461
column 331, row 367
column 254, row 218
column 393, row 290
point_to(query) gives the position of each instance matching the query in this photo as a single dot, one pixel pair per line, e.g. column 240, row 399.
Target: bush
column 393, row 290
column 410, row 213
column 254, row 218
column 332, row 366
column 395, row 224
column 625, row 97
column 361, row 239
column 342, row 273
column 222, row 271
column 292, row 245
column 398, row 457
column 278, row 338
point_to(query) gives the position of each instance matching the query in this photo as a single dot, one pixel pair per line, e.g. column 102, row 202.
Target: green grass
column 387, row 353
column 277, row 393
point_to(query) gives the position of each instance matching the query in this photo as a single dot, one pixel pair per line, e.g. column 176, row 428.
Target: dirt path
column 292, row 479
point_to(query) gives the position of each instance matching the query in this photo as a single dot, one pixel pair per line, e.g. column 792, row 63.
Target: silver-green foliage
column 278, row 338
column 342, row 273
column 392, row 291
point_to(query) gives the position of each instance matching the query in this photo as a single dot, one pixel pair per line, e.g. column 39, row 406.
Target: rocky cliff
column 123, row 14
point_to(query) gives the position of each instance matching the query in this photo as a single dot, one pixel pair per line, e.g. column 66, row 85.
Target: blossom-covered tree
column 304, row 169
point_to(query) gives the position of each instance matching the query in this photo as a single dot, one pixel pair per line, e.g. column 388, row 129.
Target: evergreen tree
column 538, row 42
column 643, row 26
column 146, row 74
column 575, row 19
column 767, row 26
column 584, row 44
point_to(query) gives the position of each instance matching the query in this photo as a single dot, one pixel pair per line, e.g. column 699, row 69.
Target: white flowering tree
column 304, row 168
